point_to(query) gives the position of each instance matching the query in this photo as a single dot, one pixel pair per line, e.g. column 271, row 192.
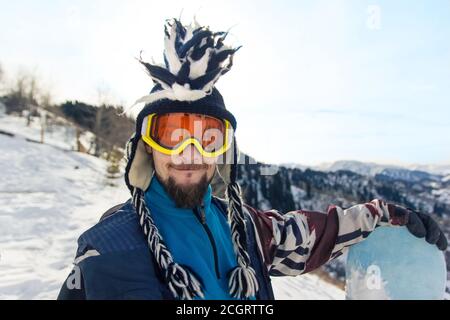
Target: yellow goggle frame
column 152, row 143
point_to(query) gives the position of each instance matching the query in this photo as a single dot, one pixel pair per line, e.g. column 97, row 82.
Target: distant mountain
column 443, row 169
column 363, row 168
column 411, row 172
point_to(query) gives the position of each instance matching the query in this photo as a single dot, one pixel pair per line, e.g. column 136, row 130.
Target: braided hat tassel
column 182, row 282
column 242, row 279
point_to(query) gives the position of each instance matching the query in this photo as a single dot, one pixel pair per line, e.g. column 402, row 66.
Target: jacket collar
column 158, row 199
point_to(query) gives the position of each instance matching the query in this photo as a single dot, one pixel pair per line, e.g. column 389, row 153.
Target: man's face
column 185, row 176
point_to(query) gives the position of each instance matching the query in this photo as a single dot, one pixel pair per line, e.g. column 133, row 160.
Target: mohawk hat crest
column 195, row 58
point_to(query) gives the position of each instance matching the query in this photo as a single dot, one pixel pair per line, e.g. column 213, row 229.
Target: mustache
column 193, row 166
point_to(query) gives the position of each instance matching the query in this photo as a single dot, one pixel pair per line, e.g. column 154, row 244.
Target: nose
column 190, row 155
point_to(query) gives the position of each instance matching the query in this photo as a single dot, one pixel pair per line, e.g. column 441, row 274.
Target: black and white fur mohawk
column 195, row 58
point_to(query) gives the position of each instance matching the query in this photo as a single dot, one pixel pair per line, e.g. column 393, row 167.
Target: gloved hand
column 422, row 225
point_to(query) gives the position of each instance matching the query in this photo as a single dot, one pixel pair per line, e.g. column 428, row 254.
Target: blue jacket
column 113, row 260
column 199, row 238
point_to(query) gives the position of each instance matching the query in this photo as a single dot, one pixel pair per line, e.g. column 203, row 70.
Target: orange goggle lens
column 170, row 130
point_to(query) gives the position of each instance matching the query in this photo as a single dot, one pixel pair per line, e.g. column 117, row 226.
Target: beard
column 186, row 196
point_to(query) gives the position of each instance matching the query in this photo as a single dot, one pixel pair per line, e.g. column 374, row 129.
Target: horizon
column 404, row 165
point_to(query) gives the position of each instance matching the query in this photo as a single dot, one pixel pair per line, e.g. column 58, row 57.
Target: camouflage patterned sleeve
column 300, row 241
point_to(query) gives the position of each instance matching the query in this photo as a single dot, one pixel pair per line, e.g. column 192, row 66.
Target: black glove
column 422, row 225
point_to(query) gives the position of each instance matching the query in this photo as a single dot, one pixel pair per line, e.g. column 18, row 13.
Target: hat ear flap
column 224, row 172
column 227, row 160
column 141, row 168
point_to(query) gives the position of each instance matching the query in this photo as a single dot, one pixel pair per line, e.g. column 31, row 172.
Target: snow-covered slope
column 305, row 287
column 58, row 131
column 48, row 197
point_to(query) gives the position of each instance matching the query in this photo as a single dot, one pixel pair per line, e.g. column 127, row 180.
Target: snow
column 49, row 195
column 305, row 287
column 442, row 195
column 297, row 194
column 58, row 132
column 58, row 135
column 41, row 218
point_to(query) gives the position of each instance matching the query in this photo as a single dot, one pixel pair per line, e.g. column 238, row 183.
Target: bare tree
column 22, row 93
column 103, row 96
column 2, row 79
column 31, row 96
column 2, row 74
column 45, row 99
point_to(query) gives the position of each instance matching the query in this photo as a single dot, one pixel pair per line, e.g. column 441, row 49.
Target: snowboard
column 392, row 264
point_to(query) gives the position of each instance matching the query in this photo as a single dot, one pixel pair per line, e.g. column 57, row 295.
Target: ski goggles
column 171, row 133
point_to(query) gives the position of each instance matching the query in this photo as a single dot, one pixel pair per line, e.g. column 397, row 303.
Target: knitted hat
column 195, row 58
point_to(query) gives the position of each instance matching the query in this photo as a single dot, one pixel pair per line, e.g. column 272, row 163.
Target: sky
column 314, row 81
